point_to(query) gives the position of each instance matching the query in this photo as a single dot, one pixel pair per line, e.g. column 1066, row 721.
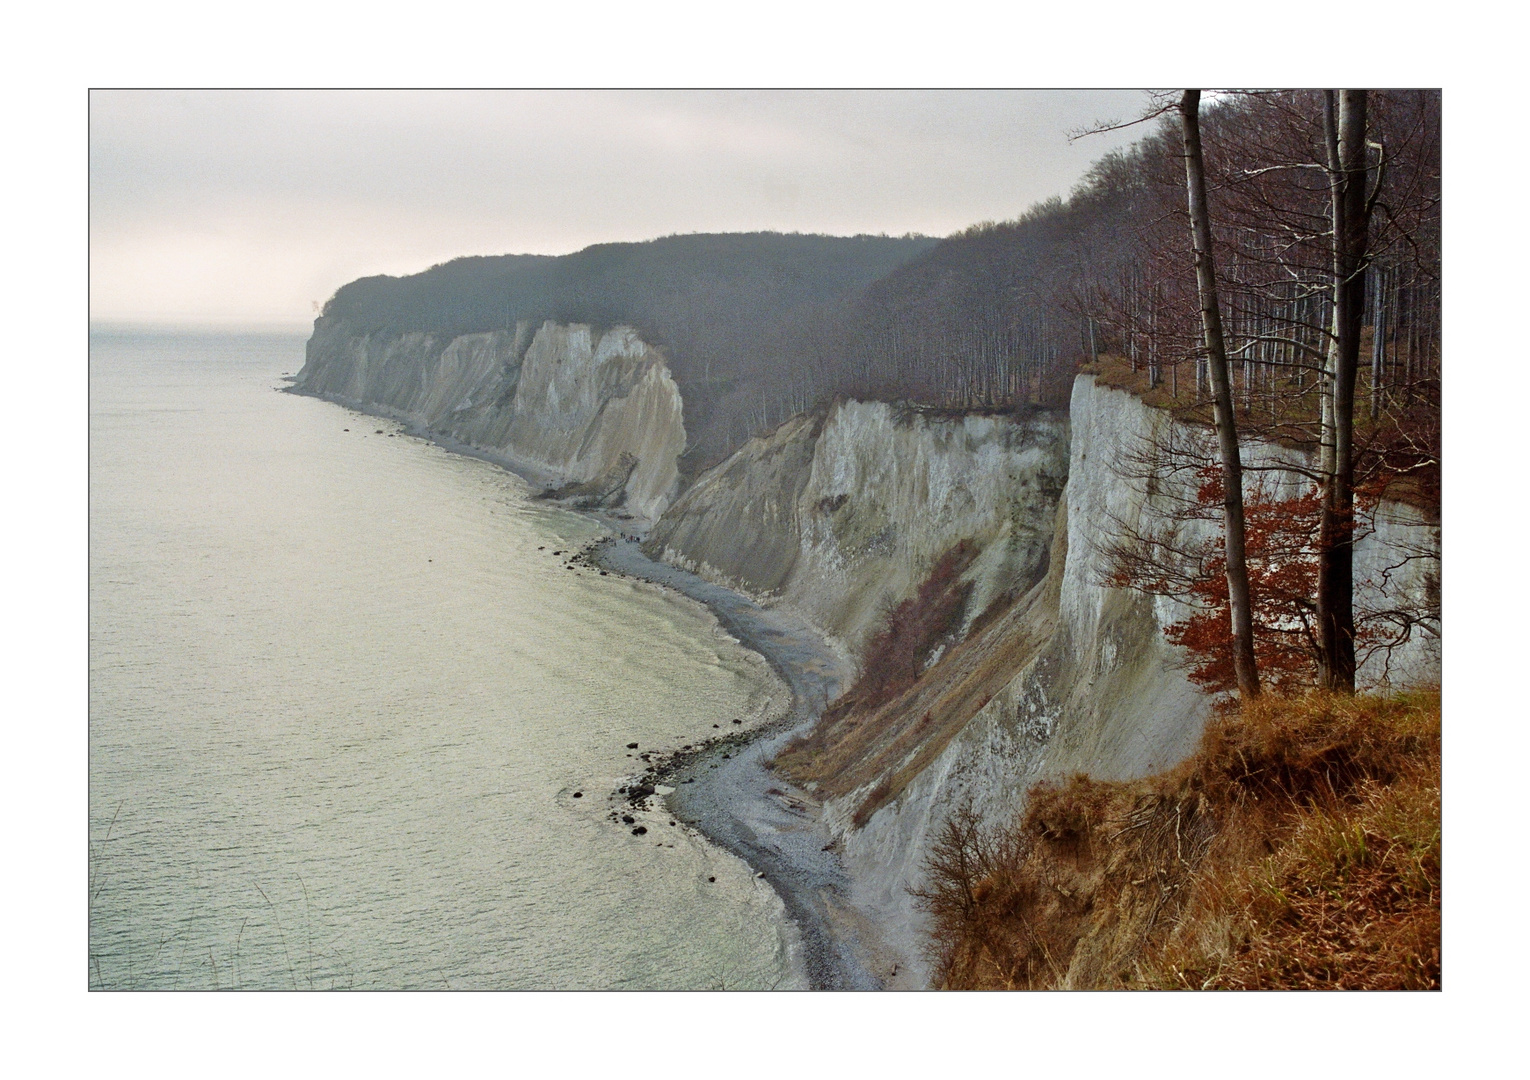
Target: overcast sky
column 247, row 207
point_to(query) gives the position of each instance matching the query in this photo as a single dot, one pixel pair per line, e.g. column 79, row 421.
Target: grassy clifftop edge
column 1299, row 848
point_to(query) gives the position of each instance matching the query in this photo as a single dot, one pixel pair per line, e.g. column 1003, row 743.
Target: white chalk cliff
column 601, row 417
column 842, row 515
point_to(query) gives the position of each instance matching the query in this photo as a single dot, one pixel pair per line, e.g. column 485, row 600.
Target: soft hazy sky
column 246, row 207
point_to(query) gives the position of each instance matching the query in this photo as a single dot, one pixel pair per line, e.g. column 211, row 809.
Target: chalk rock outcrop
column 558, row 403
column 842, row 514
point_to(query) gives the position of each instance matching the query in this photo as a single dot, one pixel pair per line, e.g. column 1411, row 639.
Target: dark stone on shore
column 717, row 725
column 642, row 791
column 711, row 879
column 640, row 830
column 602, row 573
column 578, row 794
column 632, row 746
column 628, row 819
column 738, row 721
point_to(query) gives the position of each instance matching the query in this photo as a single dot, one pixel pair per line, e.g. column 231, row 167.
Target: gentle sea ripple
column 340, row 703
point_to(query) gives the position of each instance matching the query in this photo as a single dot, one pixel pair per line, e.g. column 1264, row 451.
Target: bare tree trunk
column 1227, row 432
column 1336, row 553
column 1378, row 347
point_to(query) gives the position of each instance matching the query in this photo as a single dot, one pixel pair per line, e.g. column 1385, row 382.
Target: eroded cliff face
column 601, row 416
column 842, row 515
column 1095, row 686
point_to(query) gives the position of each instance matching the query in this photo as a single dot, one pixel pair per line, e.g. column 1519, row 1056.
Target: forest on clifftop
column 758, row 327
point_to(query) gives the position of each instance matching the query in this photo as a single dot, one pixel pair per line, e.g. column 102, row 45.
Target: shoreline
column 722, row 788
column 738, row 804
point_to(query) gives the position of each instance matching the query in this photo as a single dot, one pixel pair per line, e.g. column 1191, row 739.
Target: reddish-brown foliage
column 1280, row 535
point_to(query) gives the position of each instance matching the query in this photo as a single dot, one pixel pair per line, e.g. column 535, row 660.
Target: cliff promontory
column 597, row 415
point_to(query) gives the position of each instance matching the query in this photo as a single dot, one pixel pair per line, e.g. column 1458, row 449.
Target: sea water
column 342, row 693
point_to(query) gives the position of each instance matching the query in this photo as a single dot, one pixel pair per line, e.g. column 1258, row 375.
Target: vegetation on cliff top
column 1298, row 849
column 724, row 308
column 758, row 327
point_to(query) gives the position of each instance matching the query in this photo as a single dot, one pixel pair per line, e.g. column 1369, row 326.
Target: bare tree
column 1347, row 172
column 1227, row 432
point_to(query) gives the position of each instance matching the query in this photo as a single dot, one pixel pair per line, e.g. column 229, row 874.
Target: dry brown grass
column 1298, row 849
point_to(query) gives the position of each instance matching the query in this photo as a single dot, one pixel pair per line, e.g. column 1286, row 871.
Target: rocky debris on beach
column 666, row 771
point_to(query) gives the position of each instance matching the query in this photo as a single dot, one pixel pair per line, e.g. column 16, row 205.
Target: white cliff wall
column 1107, row 695
column 557, row 401
column 1397, row 586
column 842, row 516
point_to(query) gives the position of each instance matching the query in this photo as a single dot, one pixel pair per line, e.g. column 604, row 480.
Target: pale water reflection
column 340, row 702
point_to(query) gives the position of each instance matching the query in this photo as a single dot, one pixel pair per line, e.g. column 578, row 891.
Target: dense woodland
column 1006, row 313
column 723, row 308
column 760, row 326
